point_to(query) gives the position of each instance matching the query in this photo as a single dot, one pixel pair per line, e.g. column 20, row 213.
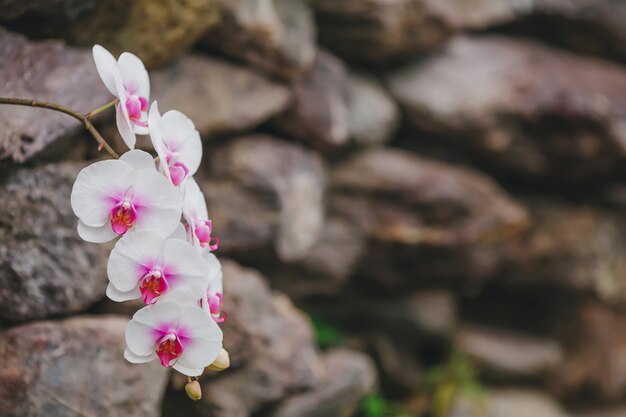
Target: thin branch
column 78, row 116
column 101, row 109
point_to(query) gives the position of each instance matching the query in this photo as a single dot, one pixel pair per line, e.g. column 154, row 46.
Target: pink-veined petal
column 124, row 126
column 106, row 66
column 215, row 273
column 134, row 75
column 160, row 203
column 157, row 315
column 140, row 338
column 181, row 296
column 191, row 270
column 132, row 358
column 154, row 121
column 194, row 204
column 205, row 339
column 180, row 233
column 99, row 234
column 131, row 258
column 94, row 190
column 139, row 159
column 121, row 296
column 180, row 135
column 187, row 371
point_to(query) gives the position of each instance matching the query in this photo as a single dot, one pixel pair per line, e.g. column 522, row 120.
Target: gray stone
column 265, row 195
column 426, row 216
column 508, row 403
column 271, row 348
column 218, row 96
column 45, row 268
column 46, row 71
column 508, row 354
column 276, row 36
column 75, row 367
column 528, row 110
column 347, row 378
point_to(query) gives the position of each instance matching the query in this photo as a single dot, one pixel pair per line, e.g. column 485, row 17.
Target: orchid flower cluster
column 164, row 254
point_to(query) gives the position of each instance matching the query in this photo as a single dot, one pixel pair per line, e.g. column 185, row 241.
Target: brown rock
column 508, row 403
column 270, row 344
column 265, row 195
column 334, row 108
column 424, row 219
column 276, row 36
column 45, row 268
column 576, row 246
column 218, row 96
column 379, row 30
column 348, row 377
column 372, row 115
column 507, row 354
column 328, row 265
column 46, row 71
column 609, row 412
column 528, row 110
column 156, row 31
column 596, row 363
column 50, row 9
column 75, row 367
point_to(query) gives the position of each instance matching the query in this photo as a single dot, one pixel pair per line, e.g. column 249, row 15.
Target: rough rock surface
column 347, row 377
column 47, row 71
column 45, row 268
column 218, row 96
column 156, row 31
column 575, row 246
column 526, row 109
column 391, row 195
column 333, row 108
column 393, row 30
column 271, row 348
column 265, row 194
column 276, row 36
column 50, row 9
column 507, row 354
column 509, row 403
column 42, row 369
column 596, row 362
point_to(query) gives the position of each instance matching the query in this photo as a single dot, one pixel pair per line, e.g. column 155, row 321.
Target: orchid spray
column 158, row 214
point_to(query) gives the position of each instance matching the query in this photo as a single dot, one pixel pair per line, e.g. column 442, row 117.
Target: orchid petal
column 121, row 296
column 205, row 339
column 179, row 134
column 124, row 126
column 159, row 203
column 131, row 257
column 99, row 234
column 94, row 190
column 132, row 358
column 134, row 74
column 139, row 160
column 187, row 264
column 140, row 338
column 106, row 66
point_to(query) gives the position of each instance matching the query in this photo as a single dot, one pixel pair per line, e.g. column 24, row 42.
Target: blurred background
column 420, row 206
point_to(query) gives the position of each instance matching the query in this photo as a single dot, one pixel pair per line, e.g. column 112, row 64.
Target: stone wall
column 431, row 179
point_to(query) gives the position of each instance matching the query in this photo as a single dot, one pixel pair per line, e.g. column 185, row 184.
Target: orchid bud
column 193, row 390
column 222, row 362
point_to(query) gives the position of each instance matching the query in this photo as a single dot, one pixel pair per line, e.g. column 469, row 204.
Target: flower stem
column 101, row 109
column 78, row 116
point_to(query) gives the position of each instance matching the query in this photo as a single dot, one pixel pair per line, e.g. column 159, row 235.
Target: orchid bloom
column 127, row 79
column 195, row 212
column 148, row 265
column 180, row 334
column 212, row 299
column 177, row 143
column 112, row 197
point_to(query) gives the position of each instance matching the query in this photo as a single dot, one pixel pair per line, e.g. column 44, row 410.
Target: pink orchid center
column 178, row 172
column 152, row 286
column 123, row 216
column 169, row 349
column 203, row 229
column 135, row 105
column 215, row 306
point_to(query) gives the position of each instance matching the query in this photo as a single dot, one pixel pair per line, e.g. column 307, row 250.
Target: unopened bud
column 193, row 390
column 222, row 362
